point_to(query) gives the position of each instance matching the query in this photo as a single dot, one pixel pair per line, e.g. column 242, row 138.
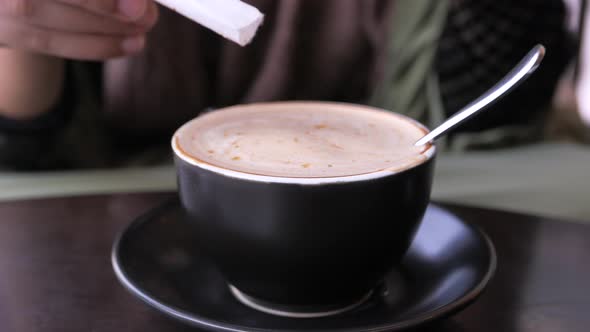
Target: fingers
column 130, row 9
column 52, row 15
column 59, row 16
column 67, row 44
column 78, row 29
column 127, row 10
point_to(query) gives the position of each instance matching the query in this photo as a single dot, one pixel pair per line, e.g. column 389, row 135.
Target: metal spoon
column 521, row 71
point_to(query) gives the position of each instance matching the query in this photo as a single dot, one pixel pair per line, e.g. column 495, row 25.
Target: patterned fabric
column 481, row 42
column 473, row 44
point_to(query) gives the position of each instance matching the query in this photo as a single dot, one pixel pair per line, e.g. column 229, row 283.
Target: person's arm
column 37, row 90
column 35, row 37
column 30, row 83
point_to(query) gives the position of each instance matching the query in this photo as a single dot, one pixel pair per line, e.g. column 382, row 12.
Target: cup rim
column 428, row 153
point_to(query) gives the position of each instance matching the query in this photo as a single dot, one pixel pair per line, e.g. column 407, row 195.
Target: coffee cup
column 303, row 206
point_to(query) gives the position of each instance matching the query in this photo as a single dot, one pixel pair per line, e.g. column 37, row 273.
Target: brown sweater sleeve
column 321, row 50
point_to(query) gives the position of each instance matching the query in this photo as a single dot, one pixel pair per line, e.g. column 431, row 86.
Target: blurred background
column 528, row 153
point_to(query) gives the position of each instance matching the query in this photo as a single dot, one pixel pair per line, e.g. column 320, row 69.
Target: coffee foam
column 302, row 140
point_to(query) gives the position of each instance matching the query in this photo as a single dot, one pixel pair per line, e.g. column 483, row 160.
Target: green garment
column 409, row 84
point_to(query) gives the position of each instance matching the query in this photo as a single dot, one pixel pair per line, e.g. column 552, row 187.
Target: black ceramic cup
column 303, row 247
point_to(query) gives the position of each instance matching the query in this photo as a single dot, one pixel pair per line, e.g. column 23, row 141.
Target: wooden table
column 55, row 272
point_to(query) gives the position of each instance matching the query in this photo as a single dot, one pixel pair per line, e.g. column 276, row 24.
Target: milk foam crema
column 302, row 140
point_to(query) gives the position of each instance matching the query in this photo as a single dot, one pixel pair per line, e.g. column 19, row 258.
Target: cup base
column 295, row 311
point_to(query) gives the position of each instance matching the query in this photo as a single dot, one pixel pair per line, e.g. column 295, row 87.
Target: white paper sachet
column 233, row 19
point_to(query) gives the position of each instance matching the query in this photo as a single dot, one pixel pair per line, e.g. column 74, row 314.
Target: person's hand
column 77, row 29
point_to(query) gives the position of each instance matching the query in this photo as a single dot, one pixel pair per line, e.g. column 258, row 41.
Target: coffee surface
column 302, row 140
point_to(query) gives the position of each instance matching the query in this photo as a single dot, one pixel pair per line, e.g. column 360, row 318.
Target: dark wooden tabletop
column 55, row 272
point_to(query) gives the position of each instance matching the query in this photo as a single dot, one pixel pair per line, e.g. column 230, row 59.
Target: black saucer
column 446, row 268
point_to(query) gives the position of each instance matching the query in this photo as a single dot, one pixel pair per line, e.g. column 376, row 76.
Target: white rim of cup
column 428, row 153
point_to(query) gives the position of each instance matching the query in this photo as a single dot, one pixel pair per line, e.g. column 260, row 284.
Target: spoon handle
column 517, row 75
